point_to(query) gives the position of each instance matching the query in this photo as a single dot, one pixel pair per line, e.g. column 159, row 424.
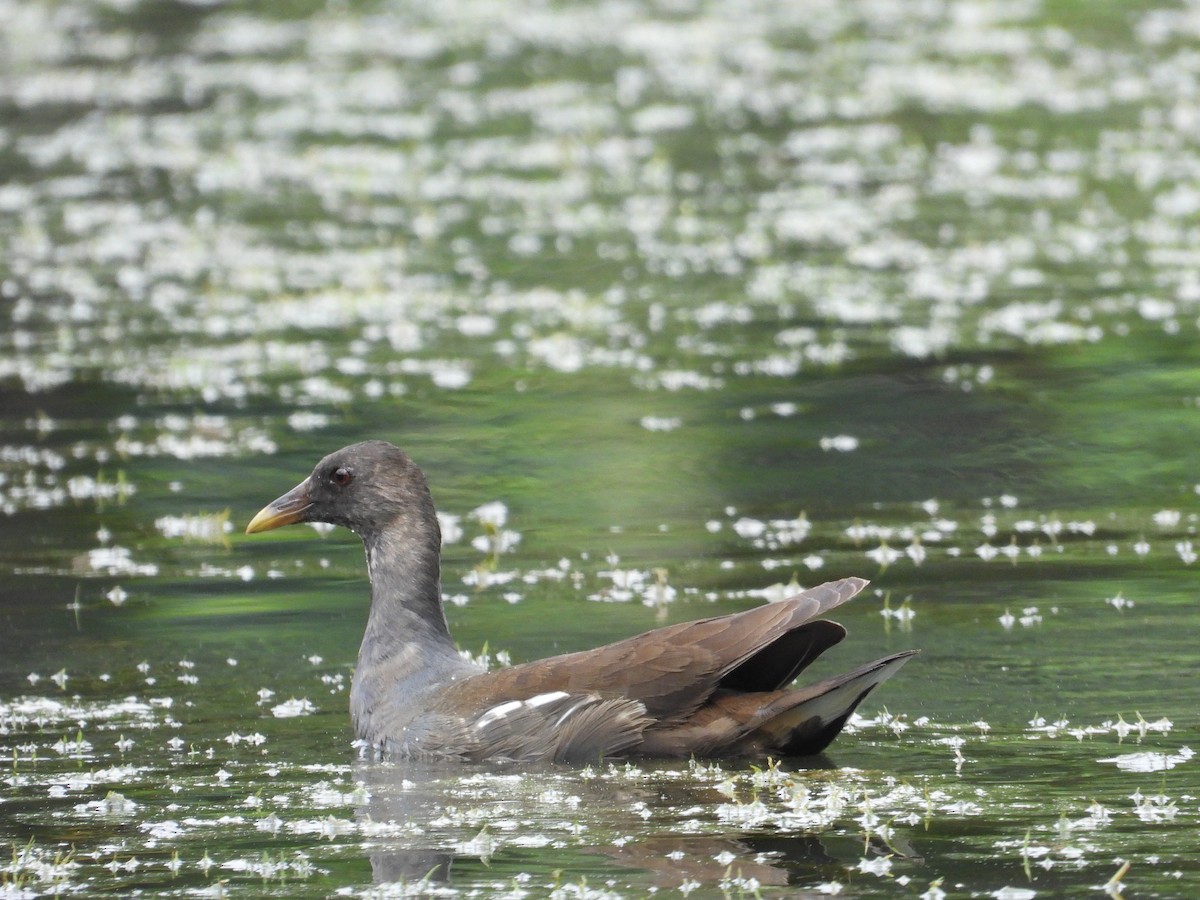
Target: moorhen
column 712, row 687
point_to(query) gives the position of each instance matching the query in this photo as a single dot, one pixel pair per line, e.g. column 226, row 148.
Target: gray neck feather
column 407, row 649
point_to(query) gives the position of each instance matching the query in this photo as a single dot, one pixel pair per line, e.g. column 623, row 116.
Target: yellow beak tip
column 285, row 510
column 262, row 521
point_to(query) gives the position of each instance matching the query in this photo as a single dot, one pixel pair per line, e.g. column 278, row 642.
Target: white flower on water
column 881, row 865
column 1012, row 893
column 1167, row 518
column 1149, row 761
column 749, row 528
column 660, row 423
column 291, row 708
column 884, row 555
column 451, row 527
column 841, row 443
column 494, row 514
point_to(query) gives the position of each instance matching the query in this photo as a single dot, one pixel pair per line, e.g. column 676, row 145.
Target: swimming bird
column 707, row 688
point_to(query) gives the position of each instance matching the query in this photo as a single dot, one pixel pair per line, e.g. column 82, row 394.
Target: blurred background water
column 675, row 303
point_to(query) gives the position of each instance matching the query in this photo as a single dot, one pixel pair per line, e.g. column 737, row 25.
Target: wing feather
column 558, row 726
column 673, row 671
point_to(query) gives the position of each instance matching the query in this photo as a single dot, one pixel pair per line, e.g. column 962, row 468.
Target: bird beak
column 286, row 510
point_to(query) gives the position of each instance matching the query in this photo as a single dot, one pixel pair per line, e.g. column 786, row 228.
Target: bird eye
column 342, row 476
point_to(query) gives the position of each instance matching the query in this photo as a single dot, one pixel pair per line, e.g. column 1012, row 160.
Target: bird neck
column 404, row 565
column 406, row 650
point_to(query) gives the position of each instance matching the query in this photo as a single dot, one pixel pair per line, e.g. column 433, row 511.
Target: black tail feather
column 805, row 721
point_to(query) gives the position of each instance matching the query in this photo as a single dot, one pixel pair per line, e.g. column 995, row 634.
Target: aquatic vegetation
column 314, row 815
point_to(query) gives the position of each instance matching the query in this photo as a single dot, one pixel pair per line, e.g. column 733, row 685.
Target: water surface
column 710, row 298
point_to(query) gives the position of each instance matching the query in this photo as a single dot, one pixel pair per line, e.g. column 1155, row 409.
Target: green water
column 707, row 295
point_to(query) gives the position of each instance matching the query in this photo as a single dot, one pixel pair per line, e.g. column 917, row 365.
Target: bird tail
column 803, row 722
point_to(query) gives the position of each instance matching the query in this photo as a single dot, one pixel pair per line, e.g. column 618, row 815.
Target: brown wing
column 673, row 671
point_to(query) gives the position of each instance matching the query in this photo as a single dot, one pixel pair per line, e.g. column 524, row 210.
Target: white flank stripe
column 542, row 699
column 496, row 713
column 569, row 712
